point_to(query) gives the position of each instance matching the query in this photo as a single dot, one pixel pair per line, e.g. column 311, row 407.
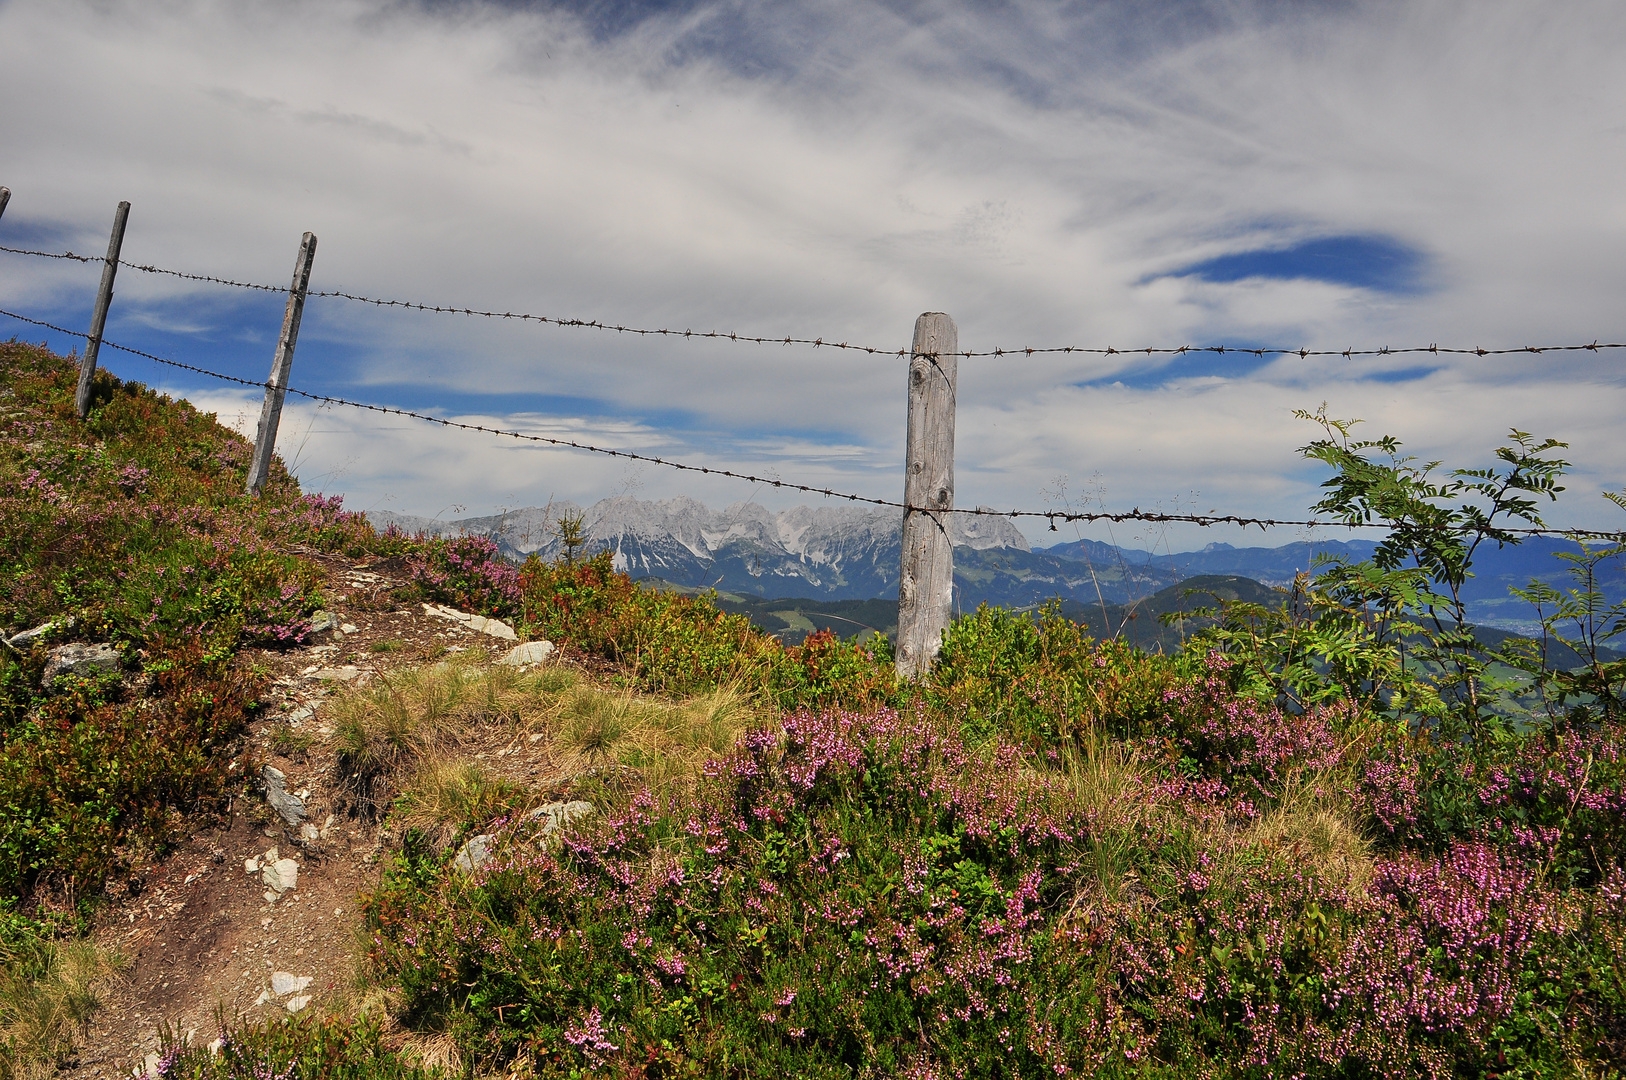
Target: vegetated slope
column 128, row 531
column 1059, row 855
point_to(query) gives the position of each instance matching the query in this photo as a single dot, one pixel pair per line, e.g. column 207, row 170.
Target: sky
column 1317, row 175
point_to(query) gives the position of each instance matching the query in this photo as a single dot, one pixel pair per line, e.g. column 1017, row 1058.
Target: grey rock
column 286, row 982
column 289, row 807
column 27, row 638
column 81, row 660
column 495, row 627
column 474, row 854
column 324, row 622
column 280, row 876
column 559, row 814
column 532, row 652
column 337, row 674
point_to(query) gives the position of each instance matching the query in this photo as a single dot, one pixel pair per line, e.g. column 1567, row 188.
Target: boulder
column 324, row 622
column 81, row 660
column 337, row 674
column 532, row 652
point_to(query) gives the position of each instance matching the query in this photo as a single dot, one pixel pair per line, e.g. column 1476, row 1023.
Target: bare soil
column 201, row 937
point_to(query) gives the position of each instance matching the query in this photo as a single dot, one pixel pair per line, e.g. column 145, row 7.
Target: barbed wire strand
column 1052, row 516
column 823, row 343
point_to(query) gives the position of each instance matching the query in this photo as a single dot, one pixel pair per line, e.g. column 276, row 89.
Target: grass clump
column 48, row 990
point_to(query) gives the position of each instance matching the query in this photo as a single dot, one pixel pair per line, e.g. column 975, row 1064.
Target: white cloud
column 775, row 169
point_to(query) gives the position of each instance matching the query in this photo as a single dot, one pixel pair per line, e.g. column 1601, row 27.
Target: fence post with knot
column 276, row 387
column 98, row 317
column 926, row 586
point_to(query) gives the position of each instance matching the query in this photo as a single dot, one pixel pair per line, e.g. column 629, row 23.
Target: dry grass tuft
column 416, row 718
column 1314, row 828
column 48, row 991
column 413, row 733
column 666, row 743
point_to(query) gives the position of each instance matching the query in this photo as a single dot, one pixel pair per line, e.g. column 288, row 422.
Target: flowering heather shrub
column 306, row 1046
column 862, row 896
column 468, row 572
column 134, row 524
column 1252, row 748
column 1559, row 799
column 678, row 644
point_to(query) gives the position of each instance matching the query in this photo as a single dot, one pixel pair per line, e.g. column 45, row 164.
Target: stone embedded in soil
column 81, row 660
column 289, row 807
column 495, row 627
column 324, row 622
column 337, row 674
column 532, row 652
column 559, row 814
column 27, row 638
column 286, row 982
column 280, row 876
column 295, row 1004
column 474, row 854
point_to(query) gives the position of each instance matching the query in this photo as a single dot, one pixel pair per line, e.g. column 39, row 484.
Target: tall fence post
column 98, row 318
column 276, row 387
column 5, row 197
column 926, row 587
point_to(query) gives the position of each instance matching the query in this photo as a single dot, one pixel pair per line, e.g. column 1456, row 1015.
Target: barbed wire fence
column 831, row 343
column 1052, row 517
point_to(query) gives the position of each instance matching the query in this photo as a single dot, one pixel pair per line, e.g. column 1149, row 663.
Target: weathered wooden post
column 5, row 197
column 98, row 318
column 276, row 387
column 926, row 589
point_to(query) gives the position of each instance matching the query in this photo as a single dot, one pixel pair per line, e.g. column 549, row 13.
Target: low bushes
column 863, row 895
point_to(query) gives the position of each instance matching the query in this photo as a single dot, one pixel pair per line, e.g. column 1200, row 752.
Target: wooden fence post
column 926, row 588
column 98, row 318
column 5, row 197
column 276, row 387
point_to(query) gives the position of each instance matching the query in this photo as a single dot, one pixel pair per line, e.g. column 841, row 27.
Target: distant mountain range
column 842, row 553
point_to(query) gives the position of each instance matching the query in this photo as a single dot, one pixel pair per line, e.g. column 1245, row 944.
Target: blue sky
column 1322, row 175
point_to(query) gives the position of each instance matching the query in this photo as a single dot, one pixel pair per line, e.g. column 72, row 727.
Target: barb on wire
column 826, row 343
column 1052, row 516
column 54, row 255
column 146, row 269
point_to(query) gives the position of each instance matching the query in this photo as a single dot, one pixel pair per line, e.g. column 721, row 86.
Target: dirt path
column 204, row 934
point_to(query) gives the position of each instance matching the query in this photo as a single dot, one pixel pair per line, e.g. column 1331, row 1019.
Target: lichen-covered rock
column 81, row 660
